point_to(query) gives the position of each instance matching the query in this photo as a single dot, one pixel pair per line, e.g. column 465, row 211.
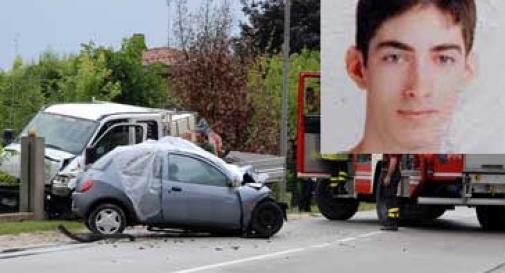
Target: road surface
column 453, row 243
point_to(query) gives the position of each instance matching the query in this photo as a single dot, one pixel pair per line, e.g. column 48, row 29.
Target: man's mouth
column 417, row 113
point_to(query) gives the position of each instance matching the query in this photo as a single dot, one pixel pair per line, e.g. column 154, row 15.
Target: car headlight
column 61, row 180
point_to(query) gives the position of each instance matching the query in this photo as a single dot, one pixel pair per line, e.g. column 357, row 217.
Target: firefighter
column 390, row 188
column 306, row 193
column 339, row 172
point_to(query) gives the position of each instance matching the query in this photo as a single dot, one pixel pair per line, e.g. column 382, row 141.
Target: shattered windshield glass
column 62, row 132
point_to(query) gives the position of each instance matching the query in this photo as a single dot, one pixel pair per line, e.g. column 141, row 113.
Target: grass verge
column 29, row 226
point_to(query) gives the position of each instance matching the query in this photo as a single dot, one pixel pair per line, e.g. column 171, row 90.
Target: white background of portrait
column 479, row 122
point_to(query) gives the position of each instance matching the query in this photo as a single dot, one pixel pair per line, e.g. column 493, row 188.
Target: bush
column 8, row 179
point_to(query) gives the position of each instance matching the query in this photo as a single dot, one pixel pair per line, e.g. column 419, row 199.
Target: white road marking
column 321, row 245
column 345, row 240
column 369, row 234
column 274, row 254
column 255, row 258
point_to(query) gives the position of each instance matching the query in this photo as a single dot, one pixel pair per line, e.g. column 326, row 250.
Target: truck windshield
column 62, row 132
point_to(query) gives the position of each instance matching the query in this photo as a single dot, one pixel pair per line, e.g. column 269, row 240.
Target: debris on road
column 93, row 237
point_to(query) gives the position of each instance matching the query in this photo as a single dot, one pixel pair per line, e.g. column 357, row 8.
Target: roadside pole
column 284, row 116
column 31, row 188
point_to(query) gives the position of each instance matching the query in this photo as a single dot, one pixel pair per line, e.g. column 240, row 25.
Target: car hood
column 53, row 161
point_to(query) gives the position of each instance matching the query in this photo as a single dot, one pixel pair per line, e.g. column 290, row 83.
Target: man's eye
column 445, row 60
column 393, row 58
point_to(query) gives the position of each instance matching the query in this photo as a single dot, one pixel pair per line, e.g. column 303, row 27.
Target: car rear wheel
column 267, row 219
column 107, row 219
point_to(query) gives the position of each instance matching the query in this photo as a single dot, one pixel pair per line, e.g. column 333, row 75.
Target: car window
column 115, row 137
column 152, row 129
column 191, row 170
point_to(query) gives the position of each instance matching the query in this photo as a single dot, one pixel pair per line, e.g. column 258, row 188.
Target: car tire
column 334, row 208
column 107, row 219
column 267, row 219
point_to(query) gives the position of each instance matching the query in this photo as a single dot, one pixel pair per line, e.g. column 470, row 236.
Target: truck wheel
column 107, row 219
column 435, row 212
column 491, row 217
column 267, row 219
column 334, row 208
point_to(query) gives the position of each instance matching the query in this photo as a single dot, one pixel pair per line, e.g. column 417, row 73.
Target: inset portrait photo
column 413, row 76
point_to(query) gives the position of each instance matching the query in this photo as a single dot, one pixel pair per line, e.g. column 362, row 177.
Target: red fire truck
column 430, row 185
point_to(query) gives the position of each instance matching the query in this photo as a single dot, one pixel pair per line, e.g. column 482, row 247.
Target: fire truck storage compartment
column 485, row 163
column 486, row 173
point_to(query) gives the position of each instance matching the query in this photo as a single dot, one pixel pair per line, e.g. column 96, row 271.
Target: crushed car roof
column 178, row 144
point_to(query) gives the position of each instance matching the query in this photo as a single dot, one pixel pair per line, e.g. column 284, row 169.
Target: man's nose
column 419, row 81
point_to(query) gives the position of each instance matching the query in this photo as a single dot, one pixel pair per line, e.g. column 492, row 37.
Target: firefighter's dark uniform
column 339, row 172
column 390, row 195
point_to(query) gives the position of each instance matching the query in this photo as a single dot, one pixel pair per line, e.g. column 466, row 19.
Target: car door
column 197, row 193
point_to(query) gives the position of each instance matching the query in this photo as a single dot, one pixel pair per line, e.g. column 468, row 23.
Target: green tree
column 91, row 79
column 96, row 71
column 21, row 96
column 139, row 84
column 265, row 87
column 265, row 26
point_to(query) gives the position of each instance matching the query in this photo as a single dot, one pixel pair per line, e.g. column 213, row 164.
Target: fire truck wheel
column 435, row 212
column 491, row 217
column 334, row 208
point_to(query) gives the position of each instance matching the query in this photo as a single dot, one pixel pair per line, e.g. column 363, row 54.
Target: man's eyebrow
column 445, row 47
column 394, row 44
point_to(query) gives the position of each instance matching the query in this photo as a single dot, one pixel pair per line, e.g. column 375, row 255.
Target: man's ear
column 355, row 64
column 470, row 68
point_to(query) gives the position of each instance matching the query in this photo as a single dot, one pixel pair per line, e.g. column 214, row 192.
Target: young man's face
column 417, row 65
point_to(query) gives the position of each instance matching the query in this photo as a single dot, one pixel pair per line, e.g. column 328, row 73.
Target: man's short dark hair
column 371, row 14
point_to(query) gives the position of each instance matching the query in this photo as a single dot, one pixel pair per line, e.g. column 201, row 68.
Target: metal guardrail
column 274, row 166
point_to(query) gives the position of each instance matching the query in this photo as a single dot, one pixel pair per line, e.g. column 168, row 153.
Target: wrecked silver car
column 172, row 183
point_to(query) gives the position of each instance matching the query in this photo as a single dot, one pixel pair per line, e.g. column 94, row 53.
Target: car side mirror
column 90, row 155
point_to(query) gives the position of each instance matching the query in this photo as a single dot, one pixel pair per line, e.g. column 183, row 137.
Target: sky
column 30, row 27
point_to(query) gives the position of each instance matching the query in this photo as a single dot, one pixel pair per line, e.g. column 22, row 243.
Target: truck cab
column 77, row 134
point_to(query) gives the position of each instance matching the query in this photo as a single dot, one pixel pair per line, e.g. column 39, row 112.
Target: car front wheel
column 267, row 219
column 107, row 219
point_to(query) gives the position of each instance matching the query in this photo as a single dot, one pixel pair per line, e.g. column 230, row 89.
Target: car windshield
column 62, row 132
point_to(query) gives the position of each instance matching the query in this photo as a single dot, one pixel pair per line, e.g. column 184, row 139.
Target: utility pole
column 168, row 22
column 285, row 89
column 13, row 87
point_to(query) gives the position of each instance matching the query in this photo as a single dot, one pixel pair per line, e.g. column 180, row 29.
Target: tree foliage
column 265, row 87
column 210, row 79
column 95, row 72
column 266, row 25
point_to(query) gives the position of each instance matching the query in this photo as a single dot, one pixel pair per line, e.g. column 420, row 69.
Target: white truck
column 80, row 133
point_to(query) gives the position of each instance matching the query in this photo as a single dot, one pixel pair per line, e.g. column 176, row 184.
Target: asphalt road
column 454, row 243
